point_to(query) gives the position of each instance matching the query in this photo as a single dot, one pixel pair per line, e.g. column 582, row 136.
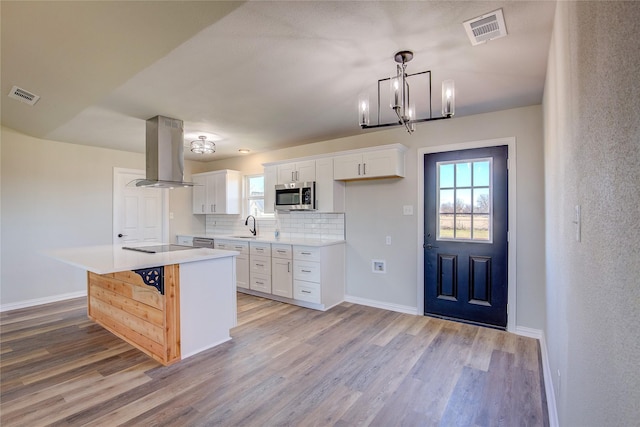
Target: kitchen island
column 169, row 304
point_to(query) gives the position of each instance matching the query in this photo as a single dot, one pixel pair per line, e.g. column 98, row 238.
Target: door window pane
column 446, row 226
column 446, row 172
column 446, row 201
column 463, row 174
column 481, row 201
column 481, row 174
column 464, row 200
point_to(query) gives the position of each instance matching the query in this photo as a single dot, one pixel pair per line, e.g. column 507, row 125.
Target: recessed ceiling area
column 259, row 75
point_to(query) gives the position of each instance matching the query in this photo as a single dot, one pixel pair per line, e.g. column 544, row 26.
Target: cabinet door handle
column 358, row 168
column 288, row 267
column 364, row 169
column 203, row 208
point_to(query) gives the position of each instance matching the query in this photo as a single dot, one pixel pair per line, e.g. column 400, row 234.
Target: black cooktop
column 158, row 248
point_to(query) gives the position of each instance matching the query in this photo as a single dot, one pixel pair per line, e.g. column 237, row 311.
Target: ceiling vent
column 486, row 27
column 23, row 95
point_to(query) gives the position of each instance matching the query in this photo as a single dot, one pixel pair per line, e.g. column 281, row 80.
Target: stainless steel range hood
column 164, row 154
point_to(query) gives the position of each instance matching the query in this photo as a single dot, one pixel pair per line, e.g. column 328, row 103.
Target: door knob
column 122, row 235
column 429, row 246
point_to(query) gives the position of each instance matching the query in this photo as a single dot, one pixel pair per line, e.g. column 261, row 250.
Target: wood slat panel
column 138, row 313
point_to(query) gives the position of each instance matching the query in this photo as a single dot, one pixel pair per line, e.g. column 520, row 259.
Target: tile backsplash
column 292, row 225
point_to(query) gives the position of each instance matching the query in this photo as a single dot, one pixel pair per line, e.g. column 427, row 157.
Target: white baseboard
column 384, row 305
column 528, row 332
column 40, row 301
column 548, row 384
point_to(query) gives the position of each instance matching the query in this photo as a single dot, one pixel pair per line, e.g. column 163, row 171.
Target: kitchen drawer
column 306, row 253
column 259, row 248
column 260, row 264
column 185, row 240
column 306, row 270
column 260, row 282
column 231, row 245
column 281, row 251
column 306, row 291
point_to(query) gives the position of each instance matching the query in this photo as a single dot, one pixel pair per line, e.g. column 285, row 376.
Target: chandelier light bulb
column 448, row 98
column 363, row 109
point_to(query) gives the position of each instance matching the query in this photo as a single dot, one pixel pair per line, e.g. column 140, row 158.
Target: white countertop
column 302, row 241
column 112, row 258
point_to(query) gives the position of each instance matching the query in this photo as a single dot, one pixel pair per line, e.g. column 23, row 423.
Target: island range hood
column 164, row 154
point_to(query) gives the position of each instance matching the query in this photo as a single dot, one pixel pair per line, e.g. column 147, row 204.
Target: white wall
column 374, row 208
column 592, row 159
column 56, row 195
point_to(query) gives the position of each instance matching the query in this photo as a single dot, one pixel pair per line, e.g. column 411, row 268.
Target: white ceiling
column 260, row 74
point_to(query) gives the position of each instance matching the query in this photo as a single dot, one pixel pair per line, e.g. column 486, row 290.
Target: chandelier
column 202, row 146
column 400, row 99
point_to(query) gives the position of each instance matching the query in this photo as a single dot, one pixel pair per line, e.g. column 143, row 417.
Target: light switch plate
column 407, row 210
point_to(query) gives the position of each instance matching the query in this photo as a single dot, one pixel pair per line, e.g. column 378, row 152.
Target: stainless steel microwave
column 296, row 196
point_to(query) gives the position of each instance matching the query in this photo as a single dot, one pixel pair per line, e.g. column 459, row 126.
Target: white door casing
column 139, row 214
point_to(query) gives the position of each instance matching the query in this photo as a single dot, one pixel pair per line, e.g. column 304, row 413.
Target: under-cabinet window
column 465, row 206
column 254, row 196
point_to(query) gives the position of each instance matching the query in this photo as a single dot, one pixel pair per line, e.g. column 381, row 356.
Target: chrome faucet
column 246, row 222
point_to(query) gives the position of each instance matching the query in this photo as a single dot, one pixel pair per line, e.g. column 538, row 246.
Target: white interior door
column 139, row 214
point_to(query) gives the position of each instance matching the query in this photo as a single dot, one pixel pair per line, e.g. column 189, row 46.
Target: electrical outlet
column 378, row 266
column 170, row 215
column 388, row 240
column 407, row 210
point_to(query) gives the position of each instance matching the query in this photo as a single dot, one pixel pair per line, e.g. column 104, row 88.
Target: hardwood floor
column 286, row 366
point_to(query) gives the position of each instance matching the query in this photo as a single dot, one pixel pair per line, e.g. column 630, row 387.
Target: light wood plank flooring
column 286, row 366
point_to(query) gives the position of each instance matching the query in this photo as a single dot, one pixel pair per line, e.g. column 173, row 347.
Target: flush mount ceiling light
column 400, row 101
column 244, row 151
column 203, row 146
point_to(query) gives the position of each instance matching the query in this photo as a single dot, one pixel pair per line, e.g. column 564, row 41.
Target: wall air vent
column 486, row 27
column 23, row 95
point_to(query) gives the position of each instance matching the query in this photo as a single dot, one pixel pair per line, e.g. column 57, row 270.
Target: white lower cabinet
column 281, row 270
column 260, row 267
column 242, row 260
column 318, row 274
column 309, row 276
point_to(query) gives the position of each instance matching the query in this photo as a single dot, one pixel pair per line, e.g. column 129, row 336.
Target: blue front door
column 465, row 241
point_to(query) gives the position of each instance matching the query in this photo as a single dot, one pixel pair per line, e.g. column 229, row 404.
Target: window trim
column 246, row 197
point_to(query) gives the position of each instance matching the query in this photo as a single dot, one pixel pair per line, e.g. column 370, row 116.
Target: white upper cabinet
column 217, row 192
column 304, row 171
column 329, row 193
column 374, row 163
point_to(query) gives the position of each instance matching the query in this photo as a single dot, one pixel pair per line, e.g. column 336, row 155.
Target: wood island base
column 192, row 309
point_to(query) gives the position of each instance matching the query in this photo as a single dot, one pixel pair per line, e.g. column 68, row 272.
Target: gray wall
column 374, row 208
column 592, row 145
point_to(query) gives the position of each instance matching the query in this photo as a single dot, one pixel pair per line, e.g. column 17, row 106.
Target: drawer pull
column 306, row 271
column 280, row 251
column 259, row 283
column 305, row 253
column 239, row 247
column 305, row 292
column 260, row 265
